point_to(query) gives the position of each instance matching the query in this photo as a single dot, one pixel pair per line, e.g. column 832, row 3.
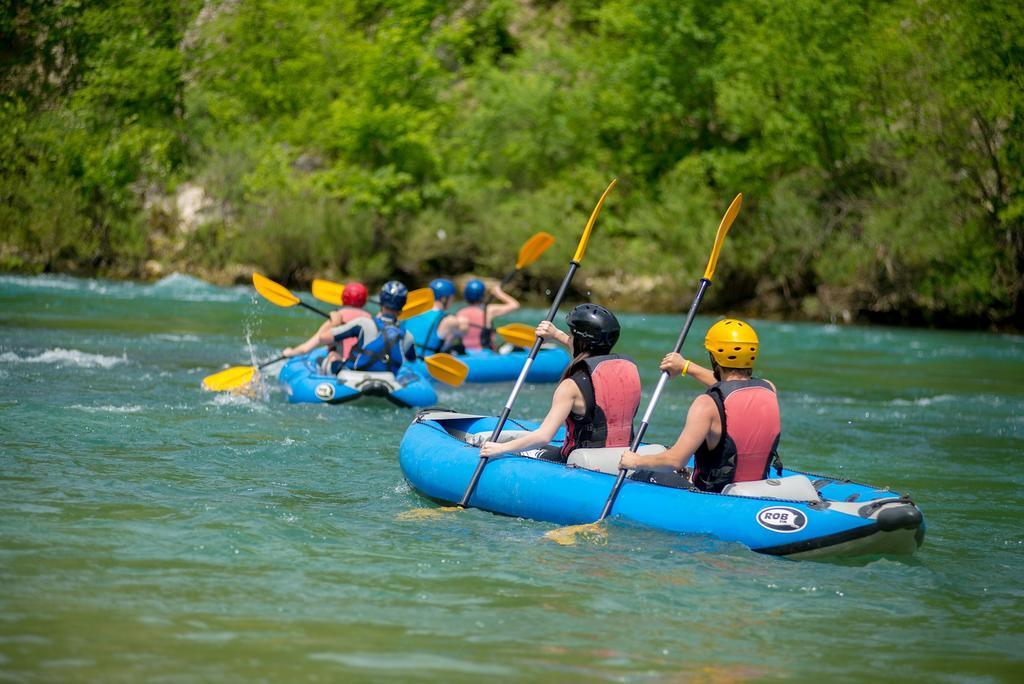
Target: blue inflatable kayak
column 798, row 515
column 492, row 366
column 303, row 383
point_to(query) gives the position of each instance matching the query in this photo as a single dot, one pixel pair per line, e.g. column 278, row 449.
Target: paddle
column 556, row 302
column 564, row 535
column 531, row 250
column 419, row 301
column 235, row 377
column 446, row 369
column 517, row 334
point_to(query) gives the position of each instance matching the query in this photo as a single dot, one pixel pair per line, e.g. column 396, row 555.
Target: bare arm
column 451, row 325
column 698, row 424
column 546, row 330
column 674, row 364
column 567, row 395
column 314, row 341
column 507, row 304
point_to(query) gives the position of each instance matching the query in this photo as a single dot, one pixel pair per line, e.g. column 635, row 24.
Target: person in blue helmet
column 382, row 343
column 478, row 316
column 437, row 330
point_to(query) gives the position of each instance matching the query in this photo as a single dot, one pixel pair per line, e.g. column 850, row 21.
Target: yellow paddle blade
column 533, row 248
column 723, row 228
column 329, row 292
column 419, row 301
column 273, row 292
column 590, row 224
column 447, row 369
column 519, row 334
column 426, row 513
column 229, row 379
column 567, row 536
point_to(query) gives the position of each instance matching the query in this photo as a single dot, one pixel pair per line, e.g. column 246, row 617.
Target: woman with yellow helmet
column 732, row 429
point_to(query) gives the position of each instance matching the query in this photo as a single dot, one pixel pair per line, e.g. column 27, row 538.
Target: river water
column 151, row 531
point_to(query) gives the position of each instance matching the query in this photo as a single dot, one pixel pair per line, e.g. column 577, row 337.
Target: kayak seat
column 606, row 459
column 357, row 379
column 794, row 488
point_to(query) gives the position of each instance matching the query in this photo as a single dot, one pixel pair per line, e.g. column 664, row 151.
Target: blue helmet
column 442, row 287
column 474, row 291
column 393, row 295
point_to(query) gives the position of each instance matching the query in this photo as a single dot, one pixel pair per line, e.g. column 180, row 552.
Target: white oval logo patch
column 325, row 391
column 781, row 519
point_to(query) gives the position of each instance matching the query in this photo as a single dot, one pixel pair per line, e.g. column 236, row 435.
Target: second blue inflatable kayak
column 304, row 383
column 491, row 366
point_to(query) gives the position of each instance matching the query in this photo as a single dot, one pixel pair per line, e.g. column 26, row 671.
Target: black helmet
column 595, row 328
column 393, row 295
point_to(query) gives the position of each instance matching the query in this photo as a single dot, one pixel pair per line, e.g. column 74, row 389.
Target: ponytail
column 576, row 360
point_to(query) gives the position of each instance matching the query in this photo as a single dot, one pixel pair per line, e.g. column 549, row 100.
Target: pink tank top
column 349, row 314
column 471, row 339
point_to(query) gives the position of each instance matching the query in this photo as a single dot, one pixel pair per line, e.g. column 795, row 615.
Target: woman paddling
column 598, row 396
column 353, row 299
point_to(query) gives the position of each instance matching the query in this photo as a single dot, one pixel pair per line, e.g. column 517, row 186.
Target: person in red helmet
column 353, row 299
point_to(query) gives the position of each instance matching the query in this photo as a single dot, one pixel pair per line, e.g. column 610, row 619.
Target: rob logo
column 781, row 519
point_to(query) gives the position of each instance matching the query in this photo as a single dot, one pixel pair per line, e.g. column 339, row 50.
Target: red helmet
column 354, row 294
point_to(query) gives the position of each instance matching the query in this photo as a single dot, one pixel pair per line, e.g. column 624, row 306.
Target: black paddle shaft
column 555, row 303
column 314, row 309
column 704, row 284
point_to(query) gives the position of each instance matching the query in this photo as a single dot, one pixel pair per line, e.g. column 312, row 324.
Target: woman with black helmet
column 598, row 396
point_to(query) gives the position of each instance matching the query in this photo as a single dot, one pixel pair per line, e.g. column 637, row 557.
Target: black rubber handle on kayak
column 704, row 284
column 559, row 296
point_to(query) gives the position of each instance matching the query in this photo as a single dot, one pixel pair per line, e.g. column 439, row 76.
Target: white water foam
column 176, row 338
column 923, row 401
column 108, row 409
column 66, row 357
column 187, row 288
column 176, row 286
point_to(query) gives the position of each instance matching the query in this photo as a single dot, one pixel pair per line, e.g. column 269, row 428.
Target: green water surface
column 151, row 531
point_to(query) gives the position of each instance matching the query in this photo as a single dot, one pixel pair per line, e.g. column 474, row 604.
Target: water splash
column 67, row 357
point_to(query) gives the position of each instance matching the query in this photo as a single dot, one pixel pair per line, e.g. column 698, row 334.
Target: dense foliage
column 880, row 145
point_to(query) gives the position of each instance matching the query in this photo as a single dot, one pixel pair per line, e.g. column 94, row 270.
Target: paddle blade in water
column 426, row 513
column 568, row 536
column 447, row 369
column 519, row 334
column 582, row 247
column 533, row 248
column 273, row 292
column 723, row 228
column 229, row 379
column 329, row 292
column 419, row 301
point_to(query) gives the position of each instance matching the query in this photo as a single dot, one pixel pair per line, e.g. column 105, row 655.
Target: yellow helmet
column 732, row 343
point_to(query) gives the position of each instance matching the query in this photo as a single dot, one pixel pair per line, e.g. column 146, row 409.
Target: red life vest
column 474, row 339
column 611, row 390
column 751, row 426
column 349, row 314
